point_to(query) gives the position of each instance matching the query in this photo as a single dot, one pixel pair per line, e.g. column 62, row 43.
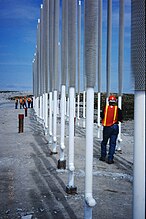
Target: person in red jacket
column 111, row 115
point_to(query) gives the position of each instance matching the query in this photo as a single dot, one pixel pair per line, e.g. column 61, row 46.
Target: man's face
column 112, row 103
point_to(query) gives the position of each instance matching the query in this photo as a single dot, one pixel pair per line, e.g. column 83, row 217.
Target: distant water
column 6, row 105
column 5, row 102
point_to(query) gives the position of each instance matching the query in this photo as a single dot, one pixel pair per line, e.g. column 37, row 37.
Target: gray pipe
column 38, row 58
column 90, row 41
column 46, row 43
column 99, row 44
column 90, row 51
column 139, row 73
column 72, row 41
column 51, row 43
column 41, row 53
column 138, row 44
column 79, row 44
column 121, row 45
column 56, row 41
column 35, row 72
column 44, row 46
column 64, row 45
column 33, row 77
column 108, row 59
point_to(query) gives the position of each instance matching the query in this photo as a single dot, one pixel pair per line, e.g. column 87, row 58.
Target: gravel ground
column 31, row 186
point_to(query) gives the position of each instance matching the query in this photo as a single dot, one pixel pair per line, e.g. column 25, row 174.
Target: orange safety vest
column 110, row 115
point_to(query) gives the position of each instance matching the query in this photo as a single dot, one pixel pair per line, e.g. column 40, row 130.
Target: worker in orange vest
column 16, row 103
column 111, row 115
column 24, row 102
column 31, row 104
column 21, row 102
column 29, row 101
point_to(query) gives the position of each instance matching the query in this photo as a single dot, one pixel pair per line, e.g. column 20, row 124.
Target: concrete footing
column 51, row 153
column 61, row 164
column 71, row 190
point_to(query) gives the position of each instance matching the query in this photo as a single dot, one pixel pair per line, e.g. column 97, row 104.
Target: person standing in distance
column 111, row 115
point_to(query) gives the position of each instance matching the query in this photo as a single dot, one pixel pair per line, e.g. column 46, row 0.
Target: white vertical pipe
column 50, row 117
column 89, row 148
column 46, row 113
column 71, row 137
column 34, row 104
column 78, row 107
column 118, row 146
column 58, row 107
column 54, row 122
column 74, row 107
column 99, row 64
column 107, row 103
column 37, row 106
column 44, row 109
column 138, row 70
column 98, row 118
column 62, row 147
column 120, row 106
column 41, row 108
column 139, row 156
column 120, row 62
column 41, row 67
column 65, row 106
column 68, row 107
column 84, row 104
column 38, row 113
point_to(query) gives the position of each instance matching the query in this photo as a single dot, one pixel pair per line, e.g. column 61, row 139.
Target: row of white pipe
column 50, row 127
column 41, row 109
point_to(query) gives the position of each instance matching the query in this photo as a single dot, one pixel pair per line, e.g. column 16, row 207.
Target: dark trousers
column 16, row 105
column 109, row 133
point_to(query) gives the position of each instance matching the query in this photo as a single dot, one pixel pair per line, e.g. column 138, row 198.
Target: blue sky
column 18, row 25
column 127, row 80
column 18, row 22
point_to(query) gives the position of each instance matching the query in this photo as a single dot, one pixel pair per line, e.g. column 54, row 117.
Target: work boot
column 102, row 158
column 119, row 151
column 110, row 161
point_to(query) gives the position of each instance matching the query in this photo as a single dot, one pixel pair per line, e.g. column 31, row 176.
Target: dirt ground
column 31, row 186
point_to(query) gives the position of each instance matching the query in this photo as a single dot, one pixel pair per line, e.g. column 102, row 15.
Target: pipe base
column 71, row 190
column 51, row 153
column 50, row 139
column 61, row 164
